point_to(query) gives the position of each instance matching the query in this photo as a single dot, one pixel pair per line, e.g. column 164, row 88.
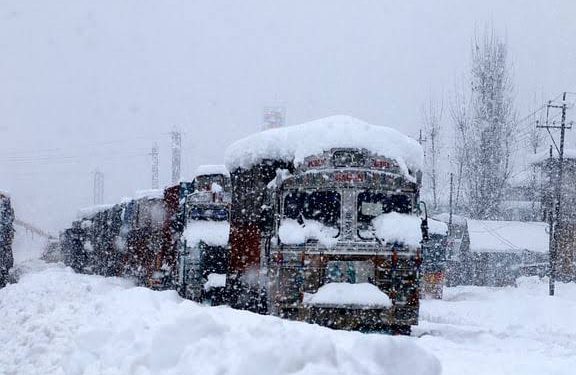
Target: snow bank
column 501, row 331
column 296, row 142
column 395, row 227
column 57, row 322
column 215, row 280
column 507, row 236
column 149, row 194
column 437, row 227
column 211, row 169
column 212, row 233
column 293, row 233
column 361, row 294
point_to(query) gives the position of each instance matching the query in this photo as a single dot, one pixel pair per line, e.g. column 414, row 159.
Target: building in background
column 548, row 166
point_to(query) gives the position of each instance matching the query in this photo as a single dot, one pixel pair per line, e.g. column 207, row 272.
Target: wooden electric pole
column 557, row 251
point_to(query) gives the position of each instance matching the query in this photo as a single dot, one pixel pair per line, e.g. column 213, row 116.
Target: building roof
column 507, row 236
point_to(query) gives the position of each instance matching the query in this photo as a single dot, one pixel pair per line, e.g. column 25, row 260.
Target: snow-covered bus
column 204, row 249
column 325, row 224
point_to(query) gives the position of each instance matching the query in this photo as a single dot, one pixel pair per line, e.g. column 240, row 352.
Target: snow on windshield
column 291, row 232
column 212, row 233
column 396, row 227
column 294, row 143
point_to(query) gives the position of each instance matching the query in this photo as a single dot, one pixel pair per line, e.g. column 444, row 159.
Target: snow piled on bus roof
column 298, row 141
column 204, row 170
column 149, row 194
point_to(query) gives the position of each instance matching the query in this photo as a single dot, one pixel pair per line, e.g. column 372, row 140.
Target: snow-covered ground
column 54, row 321
column 478, row 330
column 27, row 245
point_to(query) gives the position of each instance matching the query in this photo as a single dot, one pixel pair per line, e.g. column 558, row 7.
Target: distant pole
column 551, row 250
column 98, row 187
column 176, row 156
column 451, row 207
column 559, row 251
column 155, row 164
column 274, row 117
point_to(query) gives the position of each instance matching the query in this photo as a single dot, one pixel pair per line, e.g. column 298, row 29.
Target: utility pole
column 98, row 187
column 176, row 156
column 551, row 250
column 155, row 163
column 557, row 251
column 451, row 208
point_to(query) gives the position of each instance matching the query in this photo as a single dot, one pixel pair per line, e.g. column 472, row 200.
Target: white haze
column 87, row 84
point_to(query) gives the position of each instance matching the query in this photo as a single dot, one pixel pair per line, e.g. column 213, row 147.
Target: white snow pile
column 395, row 227
column 507, row 236
column 215, row 280
column 437, row 227
column 293, row 233
column 294, row 143
column 54, row 321
column 149, row 194
column 206, row 170
column 501, row 331
column 335, row 294
column 212, row 233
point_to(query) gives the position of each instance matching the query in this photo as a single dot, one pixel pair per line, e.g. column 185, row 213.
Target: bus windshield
column 373, row 204
column 322, row 206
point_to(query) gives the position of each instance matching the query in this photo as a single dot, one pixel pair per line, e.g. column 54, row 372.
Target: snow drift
column 57, row 322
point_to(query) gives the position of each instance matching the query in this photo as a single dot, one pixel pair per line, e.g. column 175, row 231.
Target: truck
column 325, row 225
column 204, row 247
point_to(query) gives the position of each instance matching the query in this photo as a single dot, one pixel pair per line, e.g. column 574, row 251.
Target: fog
column 94, row 84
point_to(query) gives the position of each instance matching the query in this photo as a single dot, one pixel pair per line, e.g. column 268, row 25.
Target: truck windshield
column 372, row 204
column 204, row 182
column 322, row 206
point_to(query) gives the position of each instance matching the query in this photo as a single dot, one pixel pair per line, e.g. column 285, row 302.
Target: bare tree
column 486, row 128
column 460, row 115
column 536, row 139
column 432, row 118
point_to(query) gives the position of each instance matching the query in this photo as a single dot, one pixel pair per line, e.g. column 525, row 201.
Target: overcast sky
column 93, row 84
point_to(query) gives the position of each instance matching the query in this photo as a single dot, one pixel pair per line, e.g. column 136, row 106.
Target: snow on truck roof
column 149, row 194
column 211, row 169
column 294, row 143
